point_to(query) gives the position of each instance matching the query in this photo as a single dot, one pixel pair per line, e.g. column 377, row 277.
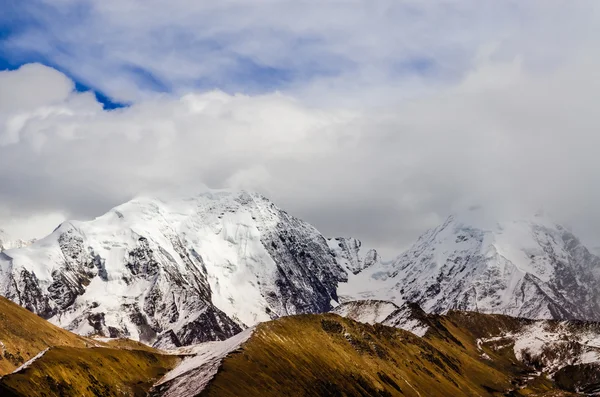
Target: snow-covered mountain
column 530, row 268
column 177, row 272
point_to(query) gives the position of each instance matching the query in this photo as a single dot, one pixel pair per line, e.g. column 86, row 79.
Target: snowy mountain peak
column 475, row 217
column 530, row 268
column 177, row 271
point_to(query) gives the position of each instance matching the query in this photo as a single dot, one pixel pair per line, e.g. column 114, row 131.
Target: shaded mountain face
column 350, row 253
column 176, row 273
column 462, row 354
column 532, row 268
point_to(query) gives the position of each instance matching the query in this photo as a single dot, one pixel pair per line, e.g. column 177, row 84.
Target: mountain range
column 178, row 272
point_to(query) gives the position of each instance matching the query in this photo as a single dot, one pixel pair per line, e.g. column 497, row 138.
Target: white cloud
column 506, row 138
column 17, row 90
column 362, row 140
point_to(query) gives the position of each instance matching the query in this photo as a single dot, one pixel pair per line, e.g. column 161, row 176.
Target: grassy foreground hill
column 40, row 359
column 329, row 355
column 71, row 371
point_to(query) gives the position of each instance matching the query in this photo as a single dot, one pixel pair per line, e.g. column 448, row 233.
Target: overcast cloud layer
column 384, row 120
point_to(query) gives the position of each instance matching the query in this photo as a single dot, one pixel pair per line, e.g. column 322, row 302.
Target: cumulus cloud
column 503, row 137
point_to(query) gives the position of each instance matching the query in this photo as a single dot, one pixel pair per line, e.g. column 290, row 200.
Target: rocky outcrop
column 350, row 253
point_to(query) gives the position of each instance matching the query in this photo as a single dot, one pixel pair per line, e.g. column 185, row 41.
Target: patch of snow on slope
column 407, row 317
column 194, row 373
column 31, row 361
column 549, row 346
column 373, row 283
column 411, row 325
column 369, row 312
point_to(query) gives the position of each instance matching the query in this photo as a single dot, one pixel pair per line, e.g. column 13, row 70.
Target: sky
column 371, row 119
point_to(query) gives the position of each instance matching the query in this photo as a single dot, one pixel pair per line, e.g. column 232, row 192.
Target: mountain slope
column 199, row 367
column 23, row 335
column 41, row 359
column 466, row 354
column 545, row 345
column 531, row 268
column 175, row 273
column 68, row 371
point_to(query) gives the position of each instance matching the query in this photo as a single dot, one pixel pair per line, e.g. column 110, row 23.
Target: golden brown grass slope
column 72, row 365
column 24, row 334
column 69, row 371
column 327, row 355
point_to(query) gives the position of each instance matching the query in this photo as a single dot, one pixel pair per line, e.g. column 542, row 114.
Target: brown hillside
column 24, row 334
column 68, row 371
column 327, row 355
column 72, row 365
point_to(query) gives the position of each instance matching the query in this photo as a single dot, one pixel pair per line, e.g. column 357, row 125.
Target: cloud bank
column 503, row 137
column 374, row 121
